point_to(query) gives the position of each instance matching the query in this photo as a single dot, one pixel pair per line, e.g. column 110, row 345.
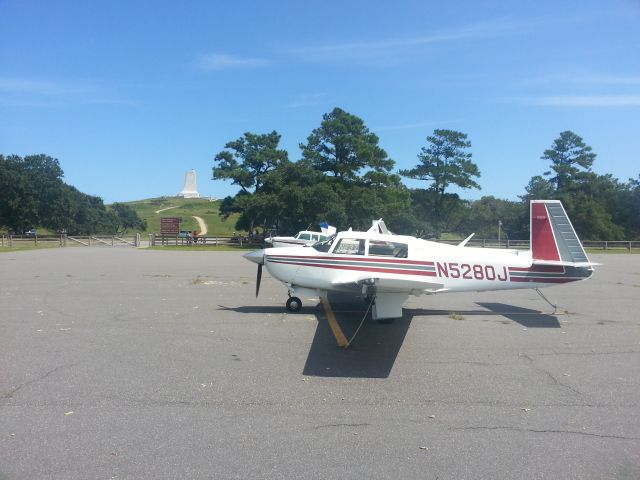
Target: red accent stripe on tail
column 543, row 244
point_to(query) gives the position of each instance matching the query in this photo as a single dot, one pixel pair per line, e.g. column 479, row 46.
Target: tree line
column 343, row 176
column 33, row 194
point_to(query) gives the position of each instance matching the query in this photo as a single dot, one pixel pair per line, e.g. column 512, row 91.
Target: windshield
column 324, row 245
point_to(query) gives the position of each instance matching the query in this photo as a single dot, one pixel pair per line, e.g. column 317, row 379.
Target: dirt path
column 168, row 208
column 203, row 226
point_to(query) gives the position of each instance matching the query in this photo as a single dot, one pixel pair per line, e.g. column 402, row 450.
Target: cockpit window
column 304, row 236
column 388, row 249
column 350, row 246
column 324, row 245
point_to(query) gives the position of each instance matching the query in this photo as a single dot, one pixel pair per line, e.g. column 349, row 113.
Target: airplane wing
column 390, row 293
column 386, row 284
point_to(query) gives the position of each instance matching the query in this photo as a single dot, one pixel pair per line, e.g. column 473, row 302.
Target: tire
column 294, row 304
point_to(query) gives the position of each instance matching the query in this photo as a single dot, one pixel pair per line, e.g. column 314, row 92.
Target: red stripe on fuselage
column 357, row 268
column 355, row 259
column 545, row 279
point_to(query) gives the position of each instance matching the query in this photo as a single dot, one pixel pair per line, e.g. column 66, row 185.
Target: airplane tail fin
column 553, row 239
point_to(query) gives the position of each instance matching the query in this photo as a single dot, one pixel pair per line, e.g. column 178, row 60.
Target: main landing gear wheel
column 294, row 304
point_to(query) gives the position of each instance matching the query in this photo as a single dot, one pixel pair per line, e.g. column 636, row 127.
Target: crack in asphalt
column 463, row 362
column 533, row 430
column 332, row 425
column 626, row 352
column 551, row 376
column 14, row 390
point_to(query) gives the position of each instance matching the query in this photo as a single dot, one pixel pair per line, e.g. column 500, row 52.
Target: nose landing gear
column 294, row 304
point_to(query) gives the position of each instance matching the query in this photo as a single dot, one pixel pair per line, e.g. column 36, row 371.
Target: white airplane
column 304, row 237
column 387, row 268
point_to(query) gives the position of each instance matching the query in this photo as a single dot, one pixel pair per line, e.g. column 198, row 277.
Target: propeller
column 257, row 256
column 258, row 278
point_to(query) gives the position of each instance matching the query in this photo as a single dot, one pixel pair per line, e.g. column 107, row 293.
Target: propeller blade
column 258, row 279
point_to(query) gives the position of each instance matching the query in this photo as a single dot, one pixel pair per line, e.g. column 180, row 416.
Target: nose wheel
column 294, row 304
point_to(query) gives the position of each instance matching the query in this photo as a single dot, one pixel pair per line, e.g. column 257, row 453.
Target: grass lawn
column 186, row 208
column 24, row 247
column 612, row 250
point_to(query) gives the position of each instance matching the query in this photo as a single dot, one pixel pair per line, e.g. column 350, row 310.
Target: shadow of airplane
column 524, row 316
column 371, row 355
column 374, row 352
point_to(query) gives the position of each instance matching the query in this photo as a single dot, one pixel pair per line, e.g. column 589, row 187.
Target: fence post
column 3, row 239
column 11, row 240
column 606, row 245
column 629, row 247
column 35, row 239
column 507, row 243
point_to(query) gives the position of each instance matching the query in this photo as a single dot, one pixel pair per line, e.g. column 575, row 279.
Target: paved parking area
column 124, row 363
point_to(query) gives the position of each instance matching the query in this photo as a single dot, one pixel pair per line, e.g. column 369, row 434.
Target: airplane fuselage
column 389, row 268
column 453, row 269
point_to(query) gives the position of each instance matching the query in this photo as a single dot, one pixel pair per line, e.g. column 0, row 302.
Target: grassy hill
column 185, row 208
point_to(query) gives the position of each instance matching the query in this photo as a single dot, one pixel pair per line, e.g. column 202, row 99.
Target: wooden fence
column 524, row 244
column 167, row 240
column 66, row 240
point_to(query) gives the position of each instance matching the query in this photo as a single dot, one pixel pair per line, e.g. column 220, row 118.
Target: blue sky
column 130, row 95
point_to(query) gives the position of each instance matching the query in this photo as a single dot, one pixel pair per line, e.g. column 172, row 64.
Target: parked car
column 184, row 234
column 31, row 232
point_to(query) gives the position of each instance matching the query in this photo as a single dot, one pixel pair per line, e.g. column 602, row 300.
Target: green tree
column 629, row 208
column 486, row 213
column 569, row 156
column 344, row 147
column 304, row 198
column 592, row 202
column 33, row 194
column 358, row 170
column 539, row 188
column 28, row 189
column 445, row 161
column 248, row 162
column 123, row 217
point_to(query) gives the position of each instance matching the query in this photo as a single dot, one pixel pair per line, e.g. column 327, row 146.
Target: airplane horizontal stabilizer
column 566, row 264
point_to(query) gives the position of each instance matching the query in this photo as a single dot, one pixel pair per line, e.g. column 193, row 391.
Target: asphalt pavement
column 129, row 363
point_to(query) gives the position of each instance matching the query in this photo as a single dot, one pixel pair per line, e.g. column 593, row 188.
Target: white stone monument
column 190, row 189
